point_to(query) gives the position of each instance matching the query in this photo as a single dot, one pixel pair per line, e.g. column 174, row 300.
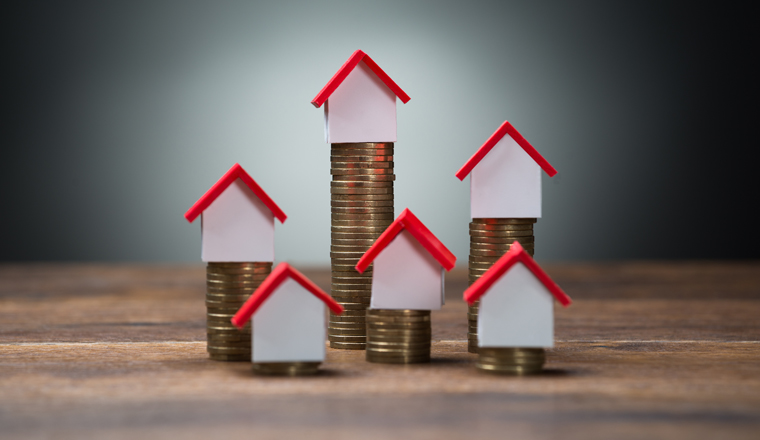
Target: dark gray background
column 118, row 116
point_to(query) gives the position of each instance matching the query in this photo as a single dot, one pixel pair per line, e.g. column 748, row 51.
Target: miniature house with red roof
column 516, row 302
column 360, row 103
column 506, row 176
column 410, row 263
column 290, row 323
column 237, row 219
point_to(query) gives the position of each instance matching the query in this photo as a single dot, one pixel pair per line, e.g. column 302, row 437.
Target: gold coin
column 337, row 163
column 343, row 184
column 360, row 158
column 353, row 306
column 230, row 358
column 348, row 325
column 347, row 345
column 371, row 326
column 285, row 368
column 398, row 360
column 222, row 329
column 373, row 337
column 361, row 203
column 361, row 171
column 361, row 191
column 349, row 145
column 344, row 332
column 349, row 211
column 215, row 343
column 397, row 351
column 504, row 221
column 502, row 226
column 377, row 152
column 364, row 177
column 387, row 217
column 499, row 234
column 349, row 280
column 346, row 338
column 399, row 313
column 368, row 197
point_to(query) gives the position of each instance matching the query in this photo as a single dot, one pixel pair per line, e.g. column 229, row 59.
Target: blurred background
column 119, row 115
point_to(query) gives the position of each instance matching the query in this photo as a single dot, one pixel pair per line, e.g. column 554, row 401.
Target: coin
column 337, row 162
column 230, row 358
column 285, row 368
column 361, row 158
column 348, row 345
column 365, row 177
column 504, row 221
column 361, row 203
column 378, row 152
column 344, row 332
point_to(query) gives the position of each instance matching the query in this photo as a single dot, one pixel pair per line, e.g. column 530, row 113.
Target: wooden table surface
column 648, row 350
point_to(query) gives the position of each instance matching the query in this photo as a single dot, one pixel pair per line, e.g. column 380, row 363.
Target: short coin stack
column 362, row 208
column 398, row 336
column 511, row 360
column 286, row 368
column 490, row 239
column 228, row 286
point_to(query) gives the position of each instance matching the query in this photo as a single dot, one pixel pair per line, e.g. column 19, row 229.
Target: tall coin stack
column 228, row 286
column 362, row 208
column 398, row 336
column 490, row 239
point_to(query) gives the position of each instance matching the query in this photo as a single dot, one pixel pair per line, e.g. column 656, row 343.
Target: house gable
column 360, row 102
column 237, row 226
column 289, row 326
column 506, row 183
column 406, row 276
column 516, row 312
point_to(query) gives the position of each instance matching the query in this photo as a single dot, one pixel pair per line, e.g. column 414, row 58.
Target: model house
column 360, row 103
column 409, row 266
column 237, row 219
column 289, row 323
column 516, row 302
column 505, row 177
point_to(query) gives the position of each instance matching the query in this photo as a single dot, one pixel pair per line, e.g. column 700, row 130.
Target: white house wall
column 506, row 183
column 237, row 226
column 517, row 311
column 361, row 109
column 406, row 276
column 289, row 326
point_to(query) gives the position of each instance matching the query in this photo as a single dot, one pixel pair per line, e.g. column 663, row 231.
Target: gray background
column 118, row 116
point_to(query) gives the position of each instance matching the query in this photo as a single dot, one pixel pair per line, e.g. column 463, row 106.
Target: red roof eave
column 347, row 68
column 419, row 231
column 282, row 272
column 236, row 172
column 505, row 128
column 515, row 254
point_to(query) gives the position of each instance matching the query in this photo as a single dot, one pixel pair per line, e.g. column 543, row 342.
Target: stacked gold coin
column 286, row 368
column 362, row 208
column 228, row 286
column 490, row 239
column 511, row 360
column 398, row 336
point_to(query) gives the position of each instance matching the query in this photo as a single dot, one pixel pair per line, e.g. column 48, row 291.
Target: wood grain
column 648, row 350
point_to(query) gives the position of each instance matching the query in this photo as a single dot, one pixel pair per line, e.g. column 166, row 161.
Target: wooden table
column 648, row 350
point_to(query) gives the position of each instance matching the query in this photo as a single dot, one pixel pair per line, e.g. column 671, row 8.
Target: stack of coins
column 286, row 368
column 362, row 208
column 228, row 286
column 398, row 336
column 490, row 239
column 511, row 360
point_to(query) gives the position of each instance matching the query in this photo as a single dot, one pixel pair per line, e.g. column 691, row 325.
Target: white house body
column 406, row 276
column 361, row 109
column 237, row 226
column 517, row 311
column 289, row 326
column 506, row 183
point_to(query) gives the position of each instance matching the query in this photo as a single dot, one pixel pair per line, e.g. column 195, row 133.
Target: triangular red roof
column 282, row 272
column 343, row 72
column 411, row 223
column 516, row 254
column 236, row 172
column 506, row 128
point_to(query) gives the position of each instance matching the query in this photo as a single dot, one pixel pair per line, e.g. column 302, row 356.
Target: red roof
column 506, row 128
column 282, row 272
column 236, row 172
column 411, row 223
column 515, row 254
column 343, row 72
